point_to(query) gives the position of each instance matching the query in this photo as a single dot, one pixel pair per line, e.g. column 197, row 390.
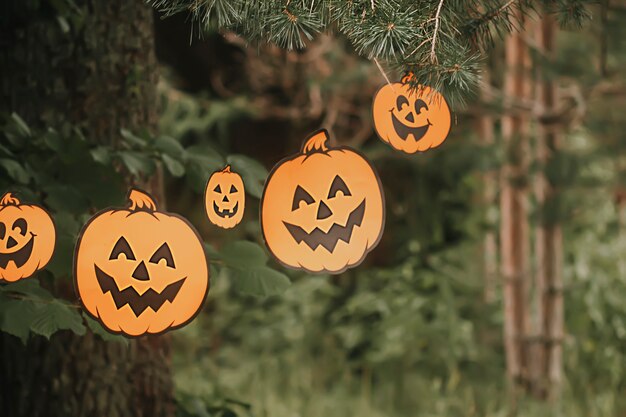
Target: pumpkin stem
column 316, row 142
column 226, row 168
column 407, row 77
column 140, row 201
column 8, row 199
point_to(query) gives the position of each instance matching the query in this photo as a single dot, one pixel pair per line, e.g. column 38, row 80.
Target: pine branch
column 396, row 31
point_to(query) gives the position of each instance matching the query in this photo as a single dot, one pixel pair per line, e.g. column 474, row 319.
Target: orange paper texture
column 225, row 198
column 27, row 238
column 411, row 120
column 139, row 270
column 323, row 209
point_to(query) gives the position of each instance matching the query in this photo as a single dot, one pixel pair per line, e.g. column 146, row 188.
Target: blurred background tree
column 497, row 287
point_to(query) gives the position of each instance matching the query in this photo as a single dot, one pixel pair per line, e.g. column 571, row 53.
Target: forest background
column 497, row 288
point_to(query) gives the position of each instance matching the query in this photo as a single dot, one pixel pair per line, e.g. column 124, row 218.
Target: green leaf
column 175, row 167
column 16, row 317
column 29, row 287
column 102, row 155
column 61, row 263
column 137, row 163
column 56, row 316
column 211, row 252
column 132, row 139
column 243, row 254
column 168, row 145
column 259, row 281
column 61, row 197
column 21, row 128
column 15, row 170
column 6, row 150
column 205, row 155
column 53, row 140
column 97, row 328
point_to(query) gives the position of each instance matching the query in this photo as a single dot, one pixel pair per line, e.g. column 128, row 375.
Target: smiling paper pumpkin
column 411, row 120
column 139, row 270
column 27, row 238
column 225, row 198
column 322, row 210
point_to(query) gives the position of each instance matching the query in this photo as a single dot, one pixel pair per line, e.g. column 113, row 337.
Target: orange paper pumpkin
column 139, row 270
column 27, row 238
column 225, row 198
column 411, row 120
column 322, row 210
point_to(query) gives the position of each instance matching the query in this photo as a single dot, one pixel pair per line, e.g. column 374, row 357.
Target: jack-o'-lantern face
column 27, row 238
column 323, row 209
column 411, row 120
column 225, row 198
column 138, row 270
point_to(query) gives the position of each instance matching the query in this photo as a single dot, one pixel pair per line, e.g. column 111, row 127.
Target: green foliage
column 25, row 307
column 245, row 265
column 72, row 177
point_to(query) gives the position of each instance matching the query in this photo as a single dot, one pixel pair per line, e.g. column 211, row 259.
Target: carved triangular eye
column 163, row 252
column 301, row 195
column 233, row 189
column 120, row 247
column 338, row 185
column 217, row 189
column 3, row 230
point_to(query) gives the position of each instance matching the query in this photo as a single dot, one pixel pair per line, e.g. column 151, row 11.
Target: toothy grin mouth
column 329, row 239
column 18, row 257
column 226, row 213
column 404, row 131
column 138, row 303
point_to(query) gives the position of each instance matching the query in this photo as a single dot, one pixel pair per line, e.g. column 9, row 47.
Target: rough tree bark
column 548, row 238
column 95, row 69
column 514, row 229
column 487, row 132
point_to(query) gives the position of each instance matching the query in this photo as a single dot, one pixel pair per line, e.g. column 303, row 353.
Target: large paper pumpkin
column 322, row 210
column 411, row 120
column 139, row 270
column 27, row 238
column 225, row 198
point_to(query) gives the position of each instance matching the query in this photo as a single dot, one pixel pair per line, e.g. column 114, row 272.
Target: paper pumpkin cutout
column 411, row 120
column 225, row 198
column 323, row 209
column 139, row 270
column 27, row 239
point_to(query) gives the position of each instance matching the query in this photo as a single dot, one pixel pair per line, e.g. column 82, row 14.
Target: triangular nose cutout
column 11, row 242
column 409, row 117
column 323, row 211
column 225, row 199
column 141, row 272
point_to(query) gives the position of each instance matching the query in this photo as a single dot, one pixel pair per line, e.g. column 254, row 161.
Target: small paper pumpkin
column 225, row 198
column 27, row 239
column 322, row 210
column 411, row 120
column 139, row 270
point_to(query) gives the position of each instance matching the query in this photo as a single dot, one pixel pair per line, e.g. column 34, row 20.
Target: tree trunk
column 486, row 129
column 514, row 238
column 93, row 68
column 548, row 238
